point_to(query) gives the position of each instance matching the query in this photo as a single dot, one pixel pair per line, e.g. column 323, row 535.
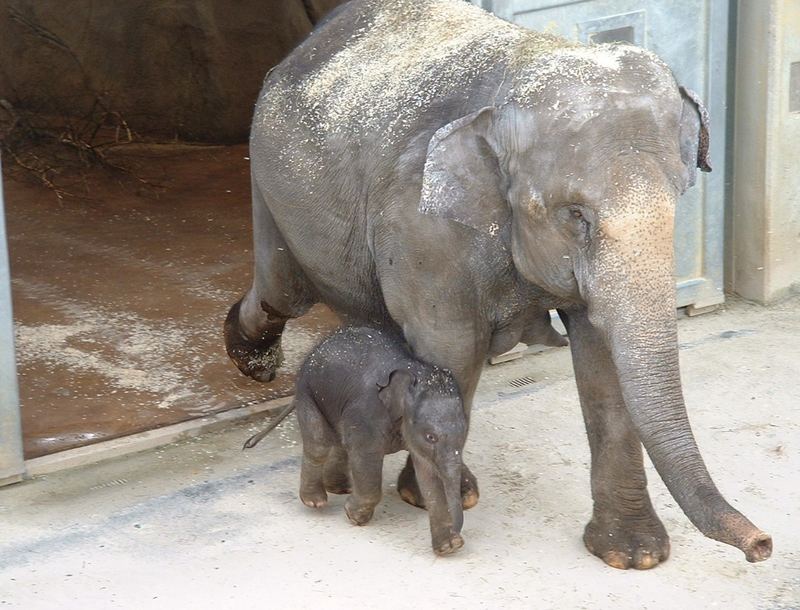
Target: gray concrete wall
column 185, row 68
column 764, row 252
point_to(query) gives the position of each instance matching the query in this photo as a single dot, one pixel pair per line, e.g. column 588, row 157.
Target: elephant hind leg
column 337, row 472
column 319, row 442
column 280, row 291
column 258, row 358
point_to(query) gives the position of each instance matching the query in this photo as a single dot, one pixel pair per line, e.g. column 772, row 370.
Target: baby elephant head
column 434, row 430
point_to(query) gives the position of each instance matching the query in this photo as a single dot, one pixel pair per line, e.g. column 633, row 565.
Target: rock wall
column 177, row 68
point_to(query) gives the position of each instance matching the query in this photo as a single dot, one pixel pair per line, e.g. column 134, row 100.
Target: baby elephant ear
column 694, row 136
column 462, row 179
column 395, row 393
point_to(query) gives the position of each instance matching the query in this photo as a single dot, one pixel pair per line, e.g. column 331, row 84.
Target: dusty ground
column 201, row 524
column 119, row 296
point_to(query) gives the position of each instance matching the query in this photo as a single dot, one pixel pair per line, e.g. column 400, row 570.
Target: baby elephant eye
column 577, row 214
column 431, row 437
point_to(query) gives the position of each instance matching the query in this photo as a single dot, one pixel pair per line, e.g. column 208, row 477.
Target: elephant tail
column 256, row 438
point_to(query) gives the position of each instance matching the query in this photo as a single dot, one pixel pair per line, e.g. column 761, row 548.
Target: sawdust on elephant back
column 403, row 57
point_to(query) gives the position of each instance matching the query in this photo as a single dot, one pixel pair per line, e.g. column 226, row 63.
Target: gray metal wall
column 692, row 37
column 11, row 464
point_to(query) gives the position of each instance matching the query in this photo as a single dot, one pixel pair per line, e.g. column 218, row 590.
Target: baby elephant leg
column 318, row 441
column 337, row 472
column 366, row 470
column 312, row 486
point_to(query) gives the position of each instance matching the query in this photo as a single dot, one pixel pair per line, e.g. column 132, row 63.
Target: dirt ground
column 120, row 293
column 202, row 524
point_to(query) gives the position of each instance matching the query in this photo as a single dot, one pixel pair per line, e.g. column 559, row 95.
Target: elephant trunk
column 634, row 305
column 651, row 387
column 451, row 482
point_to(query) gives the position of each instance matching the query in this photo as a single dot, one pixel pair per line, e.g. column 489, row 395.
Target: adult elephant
column 427, row 166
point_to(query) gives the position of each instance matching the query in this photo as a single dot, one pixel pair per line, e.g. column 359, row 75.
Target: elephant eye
column 431, row 437
column 579, row 219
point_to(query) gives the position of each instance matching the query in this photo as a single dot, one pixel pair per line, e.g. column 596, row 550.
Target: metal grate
column 520, row 382
column 625, row 34
column 113, row 483
column 628, row 27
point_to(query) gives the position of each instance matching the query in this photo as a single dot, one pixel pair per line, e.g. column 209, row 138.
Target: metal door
column 692, row 37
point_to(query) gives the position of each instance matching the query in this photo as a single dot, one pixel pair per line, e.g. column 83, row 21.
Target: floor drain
column 113, row 483
column 522, row 381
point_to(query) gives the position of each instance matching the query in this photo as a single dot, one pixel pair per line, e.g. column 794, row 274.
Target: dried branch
column 37, row 143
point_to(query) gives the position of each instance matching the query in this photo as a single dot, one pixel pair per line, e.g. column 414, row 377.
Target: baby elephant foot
column 337, row 483
column 358, row 514
column 625, row 542
column 258, row 358
column 340, row 488
column 447, row 545
column 314, row 499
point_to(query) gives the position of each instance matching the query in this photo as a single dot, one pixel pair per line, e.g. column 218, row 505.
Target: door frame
column 12, row 463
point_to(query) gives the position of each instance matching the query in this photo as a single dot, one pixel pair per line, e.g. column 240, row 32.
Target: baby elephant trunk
column 452, row 492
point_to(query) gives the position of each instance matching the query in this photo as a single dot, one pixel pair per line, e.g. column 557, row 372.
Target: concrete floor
column 202, row 524
column 119, row 297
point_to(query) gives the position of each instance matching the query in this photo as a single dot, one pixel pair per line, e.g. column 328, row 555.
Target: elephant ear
column 396, row 393
column 694, row 136
column 462, row 179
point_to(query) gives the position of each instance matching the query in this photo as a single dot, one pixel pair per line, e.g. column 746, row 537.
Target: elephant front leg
column 455, row 345
column 624, row 531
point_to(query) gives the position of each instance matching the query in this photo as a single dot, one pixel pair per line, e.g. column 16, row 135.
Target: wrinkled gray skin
column 360, row 396
column 427, row 166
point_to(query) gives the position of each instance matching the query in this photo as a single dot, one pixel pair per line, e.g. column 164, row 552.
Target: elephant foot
column 409, row 491
column 469, row 488
column 258, row 358
column 358, row 515
column 626, row 542
column 337, row 476
column 448, row 545
column 339, row 487
column 407, row 486
column 314, row 499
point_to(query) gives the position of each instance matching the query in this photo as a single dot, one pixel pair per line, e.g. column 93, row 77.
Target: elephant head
column 434, row 430
column 578, row 167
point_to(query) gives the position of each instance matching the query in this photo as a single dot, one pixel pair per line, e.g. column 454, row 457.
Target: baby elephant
column 361, row 396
